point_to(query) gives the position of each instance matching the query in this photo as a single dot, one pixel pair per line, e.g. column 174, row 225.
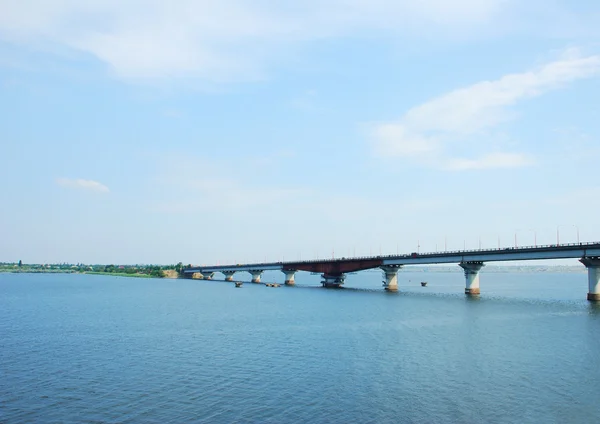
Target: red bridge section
column 335, row 267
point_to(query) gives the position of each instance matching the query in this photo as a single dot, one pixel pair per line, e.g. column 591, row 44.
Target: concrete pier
column 256, row 273
column 391, row 277
column 471, row 276
column 289, row 276
column 593, row 266
column 228, row 275
column 333, row 280
column 207, row 275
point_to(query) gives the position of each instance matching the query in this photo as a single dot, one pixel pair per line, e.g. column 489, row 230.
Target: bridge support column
column 289, row 276
column 593, row 267
column 333, row 280
column 256, row 273
column 391, row 277
column 471, row 276
column 228, row 275
column 207, row 275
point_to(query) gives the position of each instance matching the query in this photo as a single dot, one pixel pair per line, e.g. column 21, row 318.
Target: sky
column 237, row 131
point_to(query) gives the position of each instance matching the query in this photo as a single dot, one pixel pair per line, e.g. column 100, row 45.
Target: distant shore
column 118, row 274
column 166, row 273
column 38, row 271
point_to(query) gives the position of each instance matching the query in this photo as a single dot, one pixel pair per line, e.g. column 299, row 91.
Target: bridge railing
column 448, row 252
column 413, row 255
column 502, row 249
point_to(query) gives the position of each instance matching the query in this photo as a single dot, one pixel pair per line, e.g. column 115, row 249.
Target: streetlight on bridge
column 487, row 236
column 527, row 229
column 565, row 225
column 438, row 243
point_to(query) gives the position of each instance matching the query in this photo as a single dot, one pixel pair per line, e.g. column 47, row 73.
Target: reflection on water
column 594, row 308
column 79, row 348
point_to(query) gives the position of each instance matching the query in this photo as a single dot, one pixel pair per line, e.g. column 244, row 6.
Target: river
column 89, row 348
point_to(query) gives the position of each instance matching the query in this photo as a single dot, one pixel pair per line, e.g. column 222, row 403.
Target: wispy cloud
column 428, row 131
column 228, row 39
column 81, row 184
column 491, row 161
column 226, row 183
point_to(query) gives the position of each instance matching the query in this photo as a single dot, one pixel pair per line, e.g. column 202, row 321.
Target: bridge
column 333, row 271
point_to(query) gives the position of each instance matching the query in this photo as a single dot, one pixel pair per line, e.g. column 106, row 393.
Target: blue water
column 86, row 348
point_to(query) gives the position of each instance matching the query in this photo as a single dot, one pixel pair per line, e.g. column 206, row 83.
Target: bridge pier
column 391, row 277
column 333, row 280
column 593, row 266
column 256, row 273
column 471, row 276
column 228, row 275
column 207, row 275
column 289, row 276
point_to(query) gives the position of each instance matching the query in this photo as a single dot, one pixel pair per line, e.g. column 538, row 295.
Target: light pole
column 527, row 229
column 565, row 225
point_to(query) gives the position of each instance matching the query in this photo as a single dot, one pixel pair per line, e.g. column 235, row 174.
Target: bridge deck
column 341, row 265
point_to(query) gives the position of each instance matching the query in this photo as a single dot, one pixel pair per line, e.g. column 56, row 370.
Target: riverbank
column 38, row 271
column 166, row 273
column 119, row 274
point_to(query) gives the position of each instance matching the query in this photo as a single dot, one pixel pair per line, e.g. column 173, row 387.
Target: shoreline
column 116, row 274
column 119, row 274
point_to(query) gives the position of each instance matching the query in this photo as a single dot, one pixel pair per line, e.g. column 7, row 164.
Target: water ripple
column 82, row 349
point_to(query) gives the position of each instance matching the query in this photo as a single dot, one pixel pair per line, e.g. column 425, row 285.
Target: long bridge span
column 333, row 271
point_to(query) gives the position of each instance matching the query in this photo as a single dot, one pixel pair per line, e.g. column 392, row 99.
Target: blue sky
column 237, row 131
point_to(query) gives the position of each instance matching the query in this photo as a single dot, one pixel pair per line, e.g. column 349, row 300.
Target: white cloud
column 225, row 39
column 491, row 161
column 429, row 130
column 183, row 190
column 395, row 140
column 78, row 183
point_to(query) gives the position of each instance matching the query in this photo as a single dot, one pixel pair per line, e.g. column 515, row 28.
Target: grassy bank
column 137, row 271
column 38, row 271
column 119, row 274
